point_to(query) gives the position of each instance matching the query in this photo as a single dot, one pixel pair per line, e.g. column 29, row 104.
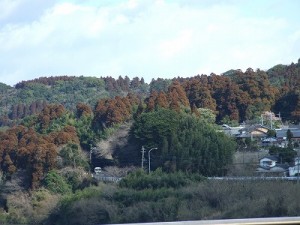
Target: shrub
column 56, row 183
column 140, row 180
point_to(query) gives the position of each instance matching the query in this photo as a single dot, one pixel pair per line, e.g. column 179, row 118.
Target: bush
column 209, row 199
column 72, row 156
column 140, row 180
column 56, row 183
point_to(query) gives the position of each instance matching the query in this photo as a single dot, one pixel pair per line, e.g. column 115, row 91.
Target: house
column 296, row 135
column 269, row 141
column 295, row 169
column 269, row 166
column 268, row 161
column 281, row 134
column 256, row 131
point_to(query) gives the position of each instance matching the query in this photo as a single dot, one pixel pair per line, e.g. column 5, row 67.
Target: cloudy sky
column 145, row 38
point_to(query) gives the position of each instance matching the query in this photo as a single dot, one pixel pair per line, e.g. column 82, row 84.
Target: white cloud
column 176, row 45
column 144, row 38
column 7, row 7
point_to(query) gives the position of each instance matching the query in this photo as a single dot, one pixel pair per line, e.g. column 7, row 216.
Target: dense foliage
column 285, row 155
column 185, row 142
column 238, row 95
column 177, row 199
column 29, row 97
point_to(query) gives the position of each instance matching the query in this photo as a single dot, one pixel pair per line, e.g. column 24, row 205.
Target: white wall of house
column 294, row 170
column 265, row 162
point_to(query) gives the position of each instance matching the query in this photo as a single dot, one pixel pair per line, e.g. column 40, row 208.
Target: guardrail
column 255, row 178
column 252, row 221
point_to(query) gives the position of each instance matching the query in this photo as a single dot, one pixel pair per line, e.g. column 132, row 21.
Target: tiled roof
column 282, row 133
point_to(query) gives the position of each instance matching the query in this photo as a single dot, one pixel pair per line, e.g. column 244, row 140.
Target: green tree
column 56, row 183
column 289, row 135
column 284, row 154
column 207, row 115
column 271, row 133
column 185, row 142
column 71, row 155
column 151, row 128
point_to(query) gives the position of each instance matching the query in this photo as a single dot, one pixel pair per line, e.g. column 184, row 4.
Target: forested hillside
column 50, row 127
column 29, row 97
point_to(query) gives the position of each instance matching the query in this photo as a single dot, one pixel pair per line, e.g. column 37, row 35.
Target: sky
column 144, row 38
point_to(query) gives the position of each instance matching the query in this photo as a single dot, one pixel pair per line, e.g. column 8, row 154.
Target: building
column 232, row 131
column 295, row 169
column 101, row 175
column 256, row 131
column 270, row 166
column 281, row 134
column 269, row 141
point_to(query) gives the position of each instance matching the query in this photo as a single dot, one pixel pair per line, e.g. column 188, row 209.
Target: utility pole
column 143, row 157
column 271, row 121
column 280, row 119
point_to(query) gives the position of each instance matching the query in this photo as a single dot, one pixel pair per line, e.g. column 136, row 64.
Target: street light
column 149, row 158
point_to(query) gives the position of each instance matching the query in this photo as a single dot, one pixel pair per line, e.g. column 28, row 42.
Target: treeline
column 125, row 84
column 111, row 84
column 242, row 96
column 24, row 100
column 236, row 95
column 44, row 80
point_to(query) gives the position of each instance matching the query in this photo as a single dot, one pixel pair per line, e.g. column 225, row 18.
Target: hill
column 55, row 130
column 29, row 97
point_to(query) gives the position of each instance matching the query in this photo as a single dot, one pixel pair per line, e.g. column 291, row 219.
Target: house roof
column 296, row 133
column 282, row 133
column 256, row 130
column 277, row 168
column 271, row 157
column 254, row 127
column 246, row 135
column 274, row 169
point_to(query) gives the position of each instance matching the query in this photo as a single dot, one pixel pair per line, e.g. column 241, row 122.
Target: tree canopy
column 185, row 142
